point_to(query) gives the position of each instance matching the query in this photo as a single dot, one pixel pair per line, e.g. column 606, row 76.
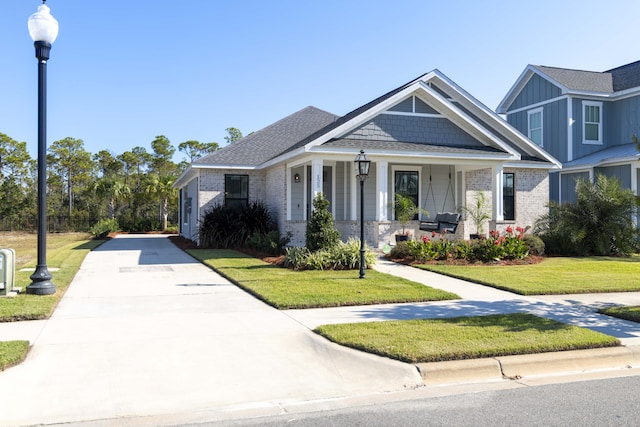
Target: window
column 534, row 118
column 406, row 183
column 592, row 118
column 236, row 190
column 508, row 196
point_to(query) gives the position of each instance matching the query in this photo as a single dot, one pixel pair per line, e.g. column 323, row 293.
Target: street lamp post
column 362, row 165
column 43, row 29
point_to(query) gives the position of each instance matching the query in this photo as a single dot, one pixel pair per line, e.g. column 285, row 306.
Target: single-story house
column 428, row 139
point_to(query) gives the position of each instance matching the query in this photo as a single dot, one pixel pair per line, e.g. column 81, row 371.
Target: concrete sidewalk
column 145, row 330
column 145, row 333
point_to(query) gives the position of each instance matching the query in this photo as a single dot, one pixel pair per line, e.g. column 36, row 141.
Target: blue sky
column 123, row 71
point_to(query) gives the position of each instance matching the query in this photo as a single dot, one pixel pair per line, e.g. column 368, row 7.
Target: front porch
column 435, row 186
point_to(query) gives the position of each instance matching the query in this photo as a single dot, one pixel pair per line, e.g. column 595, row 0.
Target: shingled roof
column 271, row 141
column 614, row 80
column 579, row 80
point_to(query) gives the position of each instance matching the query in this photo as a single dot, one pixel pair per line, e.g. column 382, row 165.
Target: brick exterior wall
column 276, row 190
column 212, row 186
column 532, row 196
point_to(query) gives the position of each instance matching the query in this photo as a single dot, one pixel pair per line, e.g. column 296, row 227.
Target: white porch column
column 316, row 178
column 498, row 208
column 353, row 192
column 382, row 192
column 287, row 177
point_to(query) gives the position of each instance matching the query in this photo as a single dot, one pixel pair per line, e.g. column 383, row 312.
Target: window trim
column 504, row 196
column 530, row 113
column 226, row 193
column 586, row 104
column 404, row 168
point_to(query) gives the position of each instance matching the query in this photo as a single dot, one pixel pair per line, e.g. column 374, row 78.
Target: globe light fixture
column 43, row 29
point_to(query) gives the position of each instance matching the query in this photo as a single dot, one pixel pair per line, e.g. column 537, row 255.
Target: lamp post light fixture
column 362, row 165
column 43, row 29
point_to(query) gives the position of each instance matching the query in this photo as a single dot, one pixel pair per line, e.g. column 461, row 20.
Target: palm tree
column 113, row 189
column 162, row 187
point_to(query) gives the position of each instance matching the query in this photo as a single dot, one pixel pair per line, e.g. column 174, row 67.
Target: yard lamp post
column 362, row 165
column 43, row 29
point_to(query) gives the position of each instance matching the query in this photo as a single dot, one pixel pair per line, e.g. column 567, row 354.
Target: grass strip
column 552, row 276
column 65, row 252
column 631, row 313
column 432, row 340
column 286, row 289
column 12, row 353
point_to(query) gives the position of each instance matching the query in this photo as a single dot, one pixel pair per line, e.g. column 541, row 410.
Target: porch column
column 287, row 183
column 382, row 190
column 353, row 192
column 498, row 208
column 316, row 179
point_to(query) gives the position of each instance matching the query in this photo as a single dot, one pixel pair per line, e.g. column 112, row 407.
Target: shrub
column 225, row 226
column 321, row 227
column 600, row 222
column 343, row 256
column 400, row 251
column 271, row 242
column 534, row 244
column 102, row 228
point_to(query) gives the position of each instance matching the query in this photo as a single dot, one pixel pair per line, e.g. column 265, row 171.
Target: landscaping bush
column 534, row 244
column 400, row 251
column 102, row 228
column 271, row 242
column 321, row 227
column 600, row 222
column 342, row 256
column 225, row 227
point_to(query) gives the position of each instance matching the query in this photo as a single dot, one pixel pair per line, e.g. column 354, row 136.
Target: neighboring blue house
column 427, row 139
column 584, row 119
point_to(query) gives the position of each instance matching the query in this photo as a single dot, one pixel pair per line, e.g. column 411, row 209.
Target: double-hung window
column 236, row 190
column 592, row 122
column 535, row 121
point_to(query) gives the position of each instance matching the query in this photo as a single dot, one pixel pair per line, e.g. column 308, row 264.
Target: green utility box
column 7, row 271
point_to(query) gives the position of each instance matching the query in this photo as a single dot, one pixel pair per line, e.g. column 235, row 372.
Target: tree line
column 134, row 187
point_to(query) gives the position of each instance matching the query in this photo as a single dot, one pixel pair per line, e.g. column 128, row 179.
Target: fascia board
column 532, row 165
column 500, row 157
column 444, row 103
column 184, row 177
column 224, row 166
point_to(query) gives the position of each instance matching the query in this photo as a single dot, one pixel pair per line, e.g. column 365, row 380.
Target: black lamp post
column 362, row 165
column 43, row 29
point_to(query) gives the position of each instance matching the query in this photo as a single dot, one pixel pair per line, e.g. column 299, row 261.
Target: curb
column 528, row 365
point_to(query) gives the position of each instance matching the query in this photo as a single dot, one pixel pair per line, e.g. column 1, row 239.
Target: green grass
column 64, row 251
column 284, row 288
column 12, row 353
column 432, row 340
column 552, row 275
column 627, row 313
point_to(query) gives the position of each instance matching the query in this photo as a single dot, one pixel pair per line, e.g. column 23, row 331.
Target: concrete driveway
column 144, row 330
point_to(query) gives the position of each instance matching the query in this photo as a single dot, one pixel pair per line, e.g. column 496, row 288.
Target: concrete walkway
column 146, row 331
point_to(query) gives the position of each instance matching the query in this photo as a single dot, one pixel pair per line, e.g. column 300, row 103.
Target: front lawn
column 285, row 289
column 12, row 353
column 627, row 313
column 432, row 340
column 557, row 275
